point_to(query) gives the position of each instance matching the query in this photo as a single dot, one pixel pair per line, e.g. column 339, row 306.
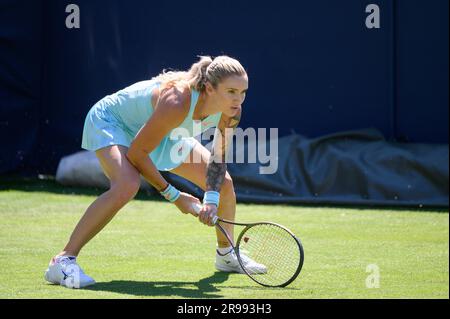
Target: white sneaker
column 230, row 263
column 64, row 271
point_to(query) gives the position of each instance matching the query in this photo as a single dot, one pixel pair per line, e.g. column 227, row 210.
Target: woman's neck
column 204, row 107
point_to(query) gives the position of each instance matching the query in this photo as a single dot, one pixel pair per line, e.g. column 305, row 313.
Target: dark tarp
column 355, row 167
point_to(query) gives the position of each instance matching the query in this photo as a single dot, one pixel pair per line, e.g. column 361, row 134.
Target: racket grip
column 198, row 207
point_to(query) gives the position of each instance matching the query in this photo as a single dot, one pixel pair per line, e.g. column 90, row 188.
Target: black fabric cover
column 355, row 167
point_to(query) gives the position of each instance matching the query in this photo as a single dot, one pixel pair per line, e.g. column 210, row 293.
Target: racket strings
column 276, row 249
column 273, row 254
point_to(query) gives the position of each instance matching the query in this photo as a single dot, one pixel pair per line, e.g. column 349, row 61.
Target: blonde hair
column 206, row 70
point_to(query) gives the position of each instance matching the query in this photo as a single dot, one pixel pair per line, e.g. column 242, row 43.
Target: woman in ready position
column 130, row 132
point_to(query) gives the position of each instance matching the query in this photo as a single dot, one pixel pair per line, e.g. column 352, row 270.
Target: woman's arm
column 217, row 165
column 170, row 111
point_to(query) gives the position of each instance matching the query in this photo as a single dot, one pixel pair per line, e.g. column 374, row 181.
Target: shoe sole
column 81, row 287
column 62, row 284
column 220, row 268
column 240, row 271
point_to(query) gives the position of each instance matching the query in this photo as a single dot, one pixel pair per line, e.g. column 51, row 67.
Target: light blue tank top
column 132, row 108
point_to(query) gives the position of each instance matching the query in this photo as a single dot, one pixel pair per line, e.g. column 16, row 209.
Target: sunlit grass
column 150, row 250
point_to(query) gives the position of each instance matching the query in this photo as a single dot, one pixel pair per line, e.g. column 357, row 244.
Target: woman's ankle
column 66, row 253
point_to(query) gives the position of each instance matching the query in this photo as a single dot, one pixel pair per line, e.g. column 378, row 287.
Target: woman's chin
column 228, row 113
column 232, row 112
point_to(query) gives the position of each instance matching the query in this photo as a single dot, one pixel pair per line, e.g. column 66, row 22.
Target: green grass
column 150, row 250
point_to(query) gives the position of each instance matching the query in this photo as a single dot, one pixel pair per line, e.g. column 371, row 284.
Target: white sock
column 224, row 251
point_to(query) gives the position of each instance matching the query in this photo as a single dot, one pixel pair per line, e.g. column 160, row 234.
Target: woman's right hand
column 186, row 202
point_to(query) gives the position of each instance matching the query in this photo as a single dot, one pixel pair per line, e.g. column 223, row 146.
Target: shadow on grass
column 205, row 288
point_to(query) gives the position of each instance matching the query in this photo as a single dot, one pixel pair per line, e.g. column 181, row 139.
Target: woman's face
column 230, row 94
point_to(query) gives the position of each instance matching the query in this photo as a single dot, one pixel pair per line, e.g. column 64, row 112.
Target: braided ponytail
column 198, row 71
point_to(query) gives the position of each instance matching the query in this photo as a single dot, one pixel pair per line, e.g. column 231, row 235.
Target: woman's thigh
column 116, row 166
column 194, row 167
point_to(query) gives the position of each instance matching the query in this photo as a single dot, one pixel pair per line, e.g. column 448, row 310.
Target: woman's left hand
column 207, row 214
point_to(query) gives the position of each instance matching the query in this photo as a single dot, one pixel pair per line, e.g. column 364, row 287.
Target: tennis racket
column 269, row 244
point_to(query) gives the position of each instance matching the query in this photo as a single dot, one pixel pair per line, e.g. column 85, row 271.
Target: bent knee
column 125, row 189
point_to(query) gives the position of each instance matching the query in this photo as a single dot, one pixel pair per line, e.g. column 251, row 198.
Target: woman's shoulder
column 175, row 97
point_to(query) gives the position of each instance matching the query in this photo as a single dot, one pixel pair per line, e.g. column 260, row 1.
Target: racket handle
column 198, row 207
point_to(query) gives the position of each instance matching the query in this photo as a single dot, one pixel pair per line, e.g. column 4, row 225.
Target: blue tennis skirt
column 103, row 129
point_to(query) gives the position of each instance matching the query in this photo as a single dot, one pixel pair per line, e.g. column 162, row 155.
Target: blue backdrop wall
column 314, row 66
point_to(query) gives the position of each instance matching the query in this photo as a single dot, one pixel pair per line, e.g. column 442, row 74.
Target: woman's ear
column 209, row 88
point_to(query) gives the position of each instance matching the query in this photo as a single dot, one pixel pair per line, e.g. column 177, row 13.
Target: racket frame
column 236, row 247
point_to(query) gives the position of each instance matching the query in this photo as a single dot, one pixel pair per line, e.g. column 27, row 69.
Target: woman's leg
column 124, row 184
column 194, row 169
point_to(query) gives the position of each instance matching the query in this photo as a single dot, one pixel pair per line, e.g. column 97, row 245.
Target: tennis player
column 131, row 132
